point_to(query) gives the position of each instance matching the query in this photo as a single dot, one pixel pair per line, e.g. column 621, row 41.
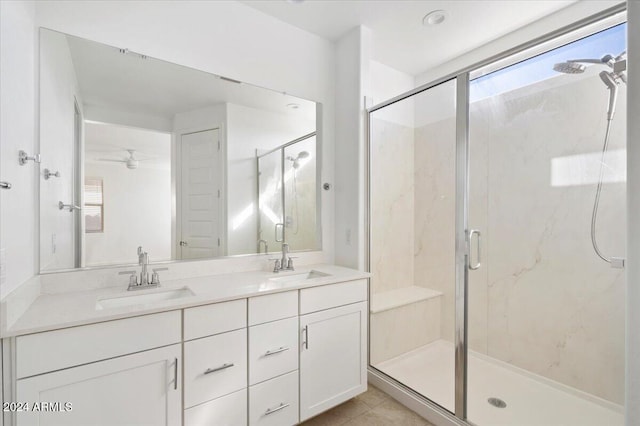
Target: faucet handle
column 290, row 263
column 155, row 278
column 133, row 280
column 277, row 266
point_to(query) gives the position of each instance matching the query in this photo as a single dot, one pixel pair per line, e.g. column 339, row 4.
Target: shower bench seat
column 394, row 315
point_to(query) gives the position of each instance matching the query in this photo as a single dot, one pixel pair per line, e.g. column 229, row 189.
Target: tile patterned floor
column 372, row 408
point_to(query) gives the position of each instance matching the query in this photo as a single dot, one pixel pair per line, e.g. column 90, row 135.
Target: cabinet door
column 332, row 358
column 139, row 389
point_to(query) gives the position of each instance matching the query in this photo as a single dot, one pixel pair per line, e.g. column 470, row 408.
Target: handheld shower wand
column 612, row 84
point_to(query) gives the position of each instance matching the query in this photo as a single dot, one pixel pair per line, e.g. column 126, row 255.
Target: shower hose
column 596, row 202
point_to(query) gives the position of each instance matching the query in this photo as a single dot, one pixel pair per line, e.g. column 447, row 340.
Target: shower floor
column 429, row 370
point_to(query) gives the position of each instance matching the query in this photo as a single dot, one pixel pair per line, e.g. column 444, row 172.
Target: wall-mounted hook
column 5, row 185
column 48, row 173
column 23, row 157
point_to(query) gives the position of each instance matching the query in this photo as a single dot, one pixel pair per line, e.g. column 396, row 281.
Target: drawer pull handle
column 277, row 351
column 282, row 406
column 175, row 374
column 223, row 367
column 305, row 341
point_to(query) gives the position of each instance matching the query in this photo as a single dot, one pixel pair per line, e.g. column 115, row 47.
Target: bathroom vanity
column 220, row 168
column 266, row 349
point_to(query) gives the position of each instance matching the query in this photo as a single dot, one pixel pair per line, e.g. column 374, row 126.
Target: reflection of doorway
column 199, row 182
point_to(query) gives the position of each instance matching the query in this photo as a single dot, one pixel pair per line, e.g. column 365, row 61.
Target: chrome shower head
column 569, row 67
column 296, row 160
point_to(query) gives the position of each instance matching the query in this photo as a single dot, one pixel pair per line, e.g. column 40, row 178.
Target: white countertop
column 60, row 310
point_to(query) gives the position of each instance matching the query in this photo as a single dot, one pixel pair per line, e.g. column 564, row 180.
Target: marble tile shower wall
column 392, row 205
column 542, row 300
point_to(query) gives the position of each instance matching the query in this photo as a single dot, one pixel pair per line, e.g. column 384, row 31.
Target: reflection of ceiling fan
column 132, row 162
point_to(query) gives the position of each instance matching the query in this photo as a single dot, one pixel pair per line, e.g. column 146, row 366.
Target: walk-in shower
column 487, row 302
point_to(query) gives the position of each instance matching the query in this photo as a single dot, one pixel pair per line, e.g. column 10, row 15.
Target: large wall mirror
column 189, row 165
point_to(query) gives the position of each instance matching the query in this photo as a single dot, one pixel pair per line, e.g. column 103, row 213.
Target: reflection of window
column 93, row 205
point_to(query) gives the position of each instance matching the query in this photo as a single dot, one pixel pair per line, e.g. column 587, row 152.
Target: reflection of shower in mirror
column 296, row 160
column 296, row 165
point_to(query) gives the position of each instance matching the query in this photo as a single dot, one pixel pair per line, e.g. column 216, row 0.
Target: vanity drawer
column 212, row 319
column 53, row 350
column 274, row 402
column 214, row 366
column 273, row 307
column 229, row 410
column 273, row 349
column 332, row 295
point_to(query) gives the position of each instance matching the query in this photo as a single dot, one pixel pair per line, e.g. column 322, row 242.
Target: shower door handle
column 477, row 264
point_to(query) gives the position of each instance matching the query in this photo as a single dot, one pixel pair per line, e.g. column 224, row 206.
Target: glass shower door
column 300, row 220
column 270, row 201
column 546, row 313
column 412, row 242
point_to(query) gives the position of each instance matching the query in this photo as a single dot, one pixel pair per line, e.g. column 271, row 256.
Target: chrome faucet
column 143, row 260
column 266, row 246
column 286, row 262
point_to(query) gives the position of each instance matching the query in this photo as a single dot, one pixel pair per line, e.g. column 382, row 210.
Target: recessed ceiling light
column 435, row 17
column 293, row 106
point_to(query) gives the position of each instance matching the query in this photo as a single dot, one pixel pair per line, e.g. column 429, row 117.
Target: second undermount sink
column 299, row 277
column 143, row 298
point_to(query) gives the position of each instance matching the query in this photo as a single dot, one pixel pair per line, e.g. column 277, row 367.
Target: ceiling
column 400, row 39
column 105, row 142
column 136, row 84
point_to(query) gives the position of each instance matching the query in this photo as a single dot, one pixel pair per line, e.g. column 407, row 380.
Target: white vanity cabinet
column 268, row 360
column 333, row 354
column 273, row 359
column 116, row 372
column 138, row 389
column 215, row 364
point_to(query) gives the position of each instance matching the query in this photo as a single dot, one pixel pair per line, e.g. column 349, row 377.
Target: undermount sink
column 143, row 299
column 299, row 277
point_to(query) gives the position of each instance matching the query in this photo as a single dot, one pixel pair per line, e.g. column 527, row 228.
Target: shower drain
column 497, row 402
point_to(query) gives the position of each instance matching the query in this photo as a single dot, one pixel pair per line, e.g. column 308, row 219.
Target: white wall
column 249, row 129
column 140, row 216
column 352, row 83
column 386, row 83
column 18, row 218
column 632, row 400
column 133, row 118
column 58, row 93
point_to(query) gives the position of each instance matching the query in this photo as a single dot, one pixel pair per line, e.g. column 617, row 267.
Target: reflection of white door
column 199, row 214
